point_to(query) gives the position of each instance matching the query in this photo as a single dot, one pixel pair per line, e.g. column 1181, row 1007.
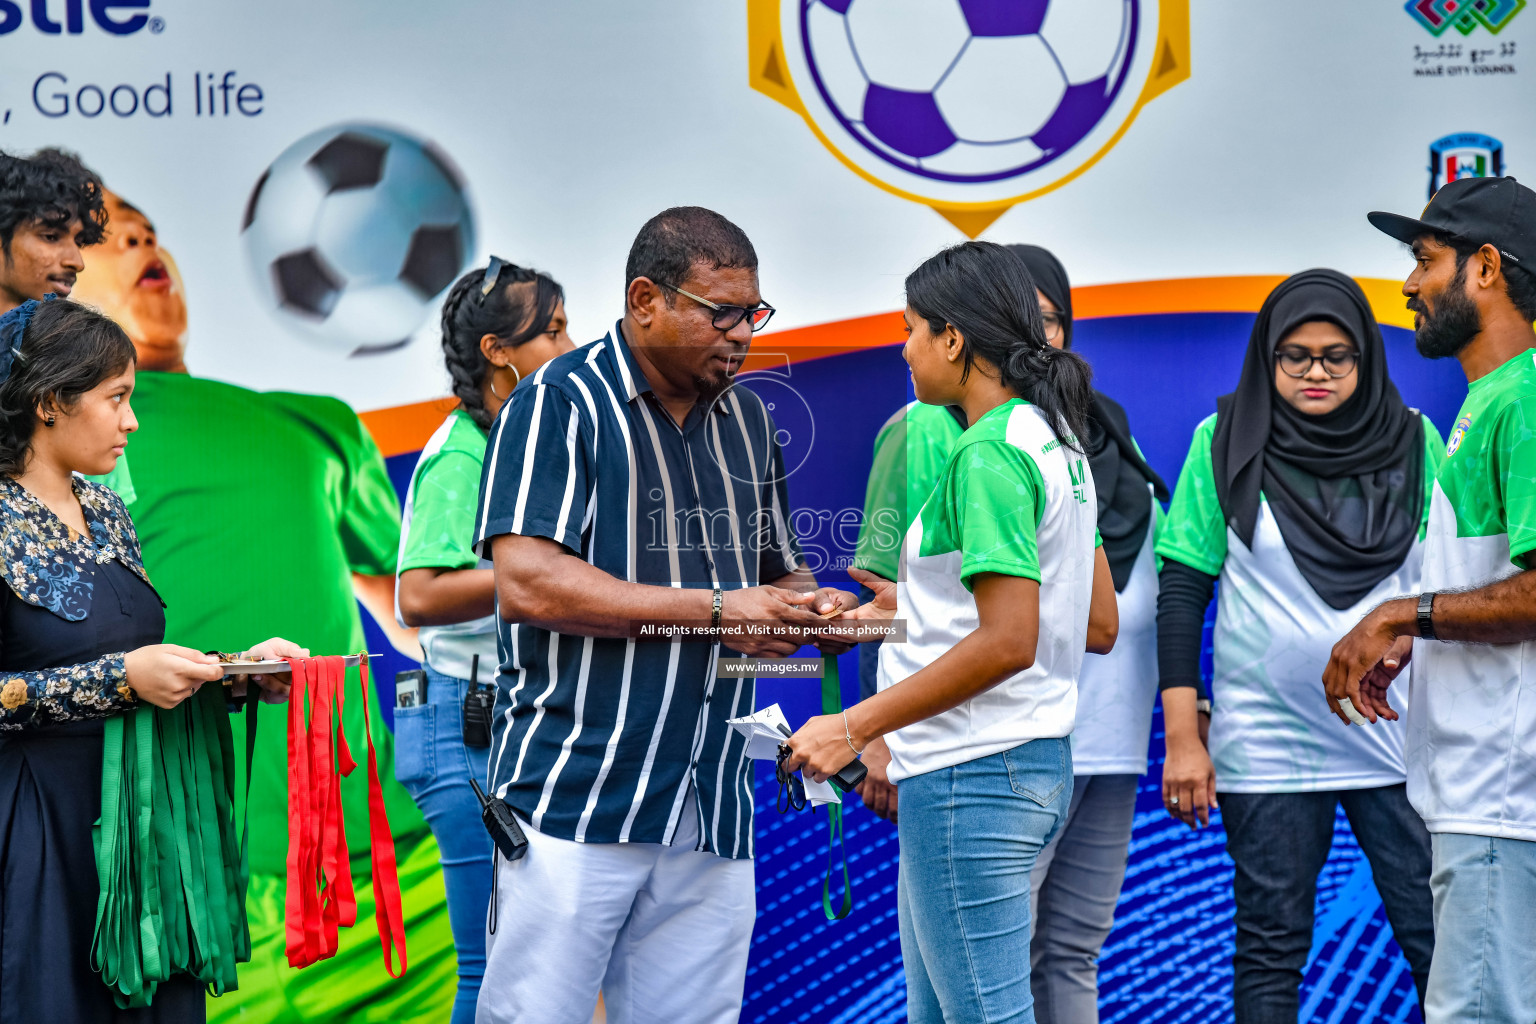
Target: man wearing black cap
column 1471, row 718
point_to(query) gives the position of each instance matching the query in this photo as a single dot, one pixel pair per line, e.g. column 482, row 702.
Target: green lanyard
column 832, row 704
column 172, row 877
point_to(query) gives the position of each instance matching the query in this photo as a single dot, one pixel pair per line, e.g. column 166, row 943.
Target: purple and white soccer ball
column 969, row 90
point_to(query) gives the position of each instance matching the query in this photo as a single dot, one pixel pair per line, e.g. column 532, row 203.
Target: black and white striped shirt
column 603, row 740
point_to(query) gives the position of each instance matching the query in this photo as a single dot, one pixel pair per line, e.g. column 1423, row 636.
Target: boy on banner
column 51, row 208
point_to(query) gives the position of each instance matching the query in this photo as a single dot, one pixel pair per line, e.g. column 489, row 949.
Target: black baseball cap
column 1476, row 211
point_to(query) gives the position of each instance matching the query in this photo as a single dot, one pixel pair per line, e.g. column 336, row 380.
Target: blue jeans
column 433, row 765
column 1279, row 842
column 1485, row 930
column 969, row 838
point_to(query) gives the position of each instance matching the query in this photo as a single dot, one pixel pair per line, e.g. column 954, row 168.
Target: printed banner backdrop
column 312, row 176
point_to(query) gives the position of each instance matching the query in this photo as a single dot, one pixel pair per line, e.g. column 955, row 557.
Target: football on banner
column 353, row 232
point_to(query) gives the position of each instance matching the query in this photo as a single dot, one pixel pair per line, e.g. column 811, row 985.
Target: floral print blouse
column 46, row 565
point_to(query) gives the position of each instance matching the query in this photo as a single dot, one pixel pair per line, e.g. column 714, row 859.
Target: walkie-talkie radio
column 478, row 702
column 505, row 832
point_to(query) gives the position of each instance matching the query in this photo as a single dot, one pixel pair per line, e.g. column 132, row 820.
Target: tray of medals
column 240, row 665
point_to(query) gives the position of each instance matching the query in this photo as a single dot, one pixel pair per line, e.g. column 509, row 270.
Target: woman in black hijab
column 1077, row 877
column 1306, row 495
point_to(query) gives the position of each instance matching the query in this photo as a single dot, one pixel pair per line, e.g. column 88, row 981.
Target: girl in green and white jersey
column 1002, row 588
column 1078, row 877
column 500, row 324
column 1306, row 494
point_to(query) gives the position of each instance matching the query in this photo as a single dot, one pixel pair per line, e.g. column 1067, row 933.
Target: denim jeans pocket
column 415, row 746
column 1038, row 770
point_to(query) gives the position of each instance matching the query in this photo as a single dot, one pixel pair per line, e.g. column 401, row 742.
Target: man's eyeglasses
column 1298, row 362
column 726, row 316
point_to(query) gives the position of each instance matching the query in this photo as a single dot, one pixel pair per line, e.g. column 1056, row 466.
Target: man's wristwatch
column 716, row 608
column 1427, row 615
column 1203, row 705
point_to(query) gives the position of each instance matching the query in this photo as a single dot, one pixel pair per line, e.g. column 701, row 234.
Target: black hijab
column 1346, row 487
column 1120, row 474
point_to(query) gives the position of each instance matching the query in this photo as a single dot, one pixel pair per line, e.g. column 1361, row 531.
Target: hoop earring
column 515, row 383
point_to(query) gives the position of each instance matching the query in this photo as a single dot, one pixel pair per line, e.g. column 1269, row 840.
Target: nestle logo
column 115, row 17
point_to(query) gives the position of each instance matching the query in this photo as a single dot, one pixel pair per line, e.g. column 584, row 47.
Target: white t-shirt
column 1271, row 730
column 1116, row 691
column 1011, row 499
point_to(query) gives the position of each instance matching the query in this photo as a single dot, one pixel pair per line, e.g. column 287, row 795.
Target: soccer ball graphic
column 353, row 232
column 969, row 91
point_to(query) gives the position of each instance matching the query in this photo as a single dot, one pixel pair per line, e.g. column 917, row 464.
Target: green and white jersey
column 1011, row 499
column 1472, row 721
column 436, row 529
column 910, row 452
column 1116, row 691
column 1271, row 730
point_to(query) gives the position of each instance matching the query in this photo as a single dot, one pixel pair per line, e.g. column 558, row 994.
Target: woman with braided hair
column 500, row 324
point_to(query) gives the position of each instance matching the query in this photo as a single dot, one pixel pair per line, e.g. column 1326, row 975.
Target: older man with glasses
column 627, row 482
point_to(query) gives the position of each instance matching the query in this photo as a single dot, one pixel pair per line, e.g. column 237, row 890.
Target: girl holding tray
column 80, row 642
column 500, row 324
column 1003, row 590
column 1306, row 494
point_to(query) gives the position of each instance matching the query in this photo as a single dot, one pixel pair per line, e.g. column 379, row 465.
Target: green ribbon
column 832, row 704
column 172, row 877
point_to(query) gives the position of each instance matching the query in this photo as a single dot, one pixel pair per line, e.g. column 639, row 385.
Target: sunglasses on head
column 493, row 274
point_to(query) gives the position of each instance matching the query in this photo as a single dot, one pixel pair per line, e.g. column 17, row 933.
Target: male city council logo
column 1464, row 155
column 1463, row 15
column 968, row 106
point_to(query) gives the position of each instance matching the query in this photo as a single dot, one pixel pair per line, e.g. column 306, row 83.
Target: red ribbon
column 302, row 902
column 320, row 896
column 386, row 873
